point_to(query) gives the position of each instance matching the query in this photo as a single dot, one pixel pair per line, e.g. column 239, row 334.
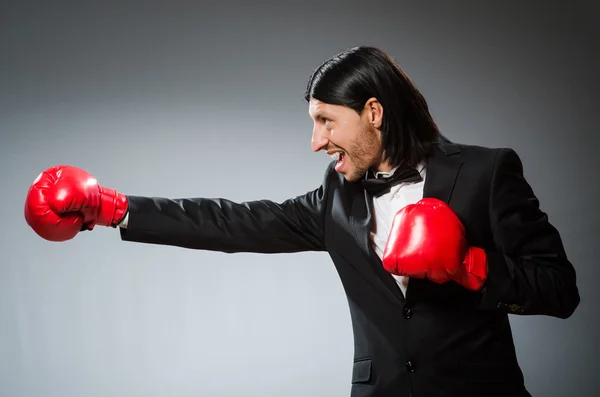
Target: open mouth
column 340, row 157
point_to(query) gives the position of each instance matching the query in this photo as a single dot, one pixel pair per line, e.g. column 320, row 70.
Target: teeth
column 336, row 156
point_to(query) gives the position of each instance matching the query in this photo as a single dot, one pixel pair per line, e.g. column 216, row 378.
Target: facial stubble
column 364, row 152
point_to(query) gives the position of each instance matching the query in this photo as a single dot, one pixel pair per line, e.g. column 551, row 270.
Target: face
column 353, row 139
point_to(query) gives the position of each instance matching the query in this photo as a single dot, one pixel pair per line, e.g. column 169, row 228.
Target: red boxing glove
column 64, row 200
column 427, row 239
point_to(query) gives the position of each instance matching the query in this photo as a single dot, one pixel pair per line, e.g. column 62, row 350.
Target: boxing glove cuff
column 113, row 207
column 473, row 273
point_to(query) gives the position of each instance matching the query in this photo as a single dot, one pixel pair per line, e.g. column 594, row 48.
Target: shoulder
column 485, row 155
column 476, row 151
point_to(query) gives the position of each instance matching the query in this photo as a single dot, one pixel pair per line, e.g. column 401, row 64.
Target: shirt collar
column 420, row 167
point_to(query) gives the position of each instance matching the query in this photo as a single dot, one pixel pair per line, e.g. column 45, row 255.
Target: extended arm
column 219, row 224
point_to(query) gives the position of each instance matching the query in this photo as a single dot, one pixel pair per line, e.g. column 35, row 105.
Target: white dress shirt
column 385, row 207
column 124, row 221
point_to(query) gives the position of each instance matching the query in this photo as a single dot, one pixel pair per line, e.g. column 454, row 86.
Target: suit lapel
column 442, row 170
column 361, row 222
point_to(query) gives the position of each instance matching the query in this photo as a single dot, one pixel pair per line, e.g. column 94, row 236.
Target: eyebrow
column 321, row 115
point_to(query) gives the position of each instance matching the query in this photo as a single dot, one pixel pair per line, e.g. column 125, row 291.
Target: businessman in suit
column 435, row 242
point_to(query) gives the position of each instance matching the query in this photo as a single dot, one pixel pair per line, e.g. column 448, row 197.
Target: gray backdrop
column 191, row 99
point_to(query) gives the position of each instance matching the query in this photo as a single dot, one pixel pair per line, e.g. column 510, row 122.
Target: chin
column 352, row 172
column 353, row 176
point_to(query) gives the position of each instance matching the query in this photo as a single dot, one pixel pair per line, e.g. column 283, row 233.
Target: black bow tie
column 378, row 186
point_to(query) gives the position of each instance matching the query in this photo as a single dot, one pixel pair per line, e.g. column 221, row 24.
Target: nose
column 319, row 140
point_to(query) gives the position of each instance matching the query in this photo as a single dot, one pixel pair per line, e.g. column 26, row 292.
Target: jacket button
column 410, row 366
column 408, row 312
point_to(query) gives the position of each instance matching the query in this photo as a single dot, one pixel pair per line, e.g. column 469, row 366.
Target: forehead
column 315, row 106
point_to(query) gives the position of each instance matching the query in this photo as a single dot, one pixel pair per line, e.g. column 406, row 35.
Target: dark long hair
column 354, row 76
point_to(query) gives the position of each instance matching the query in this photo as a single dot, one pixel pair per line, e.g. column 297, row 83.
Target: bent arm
column 529, row 273
column 218, row 224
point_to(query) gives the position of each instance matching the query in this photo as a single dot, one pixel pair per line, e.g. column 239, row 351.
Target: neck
column 383, row 167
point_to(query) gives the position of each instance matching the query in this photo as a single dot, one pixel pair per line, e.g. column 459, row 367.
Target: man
column 432, row 258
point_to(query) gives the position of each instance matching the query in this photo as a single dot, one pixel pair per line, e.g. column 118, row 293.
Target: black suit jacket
column 441, row 340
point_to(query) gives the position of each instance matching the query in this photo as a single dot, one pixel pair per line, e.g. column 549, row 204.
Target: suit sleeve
column 218, row 224
column 528, row 272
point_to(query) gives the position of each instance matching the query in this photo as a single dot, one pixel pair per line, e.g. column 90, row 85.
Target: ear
column 374, row 112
